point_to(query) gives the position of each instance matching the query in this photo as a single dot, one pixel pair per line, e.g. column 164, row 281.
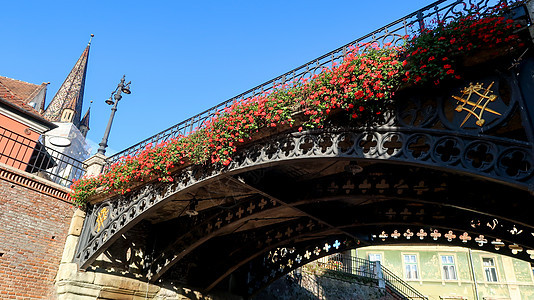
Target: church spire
column 66, row 105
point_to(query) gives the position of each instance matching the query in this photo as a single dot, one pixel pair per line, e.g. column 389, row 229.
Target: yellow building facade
column 441, row 272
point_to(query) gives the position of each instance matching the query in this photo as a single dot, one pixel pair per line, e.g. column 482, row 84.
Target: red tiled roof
column 20, row 93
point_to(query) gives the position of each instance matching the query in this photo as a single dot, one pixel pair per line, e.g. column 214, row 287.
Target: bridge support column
column 95, row 164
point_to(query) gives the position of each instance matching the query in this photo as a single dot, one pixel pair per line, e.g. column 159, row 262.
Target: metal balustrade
column 393, row 33
column 31, row 156
column 348, row 265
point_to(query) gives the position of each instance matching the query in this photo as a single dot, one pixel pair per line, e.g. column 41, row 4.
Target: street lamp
column 116, row 94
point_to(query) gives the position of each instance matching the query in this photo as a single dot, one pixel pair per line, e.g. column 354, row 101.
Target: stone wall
column 312, row 285
column 34, row 219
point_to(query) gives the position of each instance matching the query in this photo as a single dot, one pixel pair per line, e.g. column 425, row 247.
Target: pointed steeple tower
column 66, row 105
column 84, row 123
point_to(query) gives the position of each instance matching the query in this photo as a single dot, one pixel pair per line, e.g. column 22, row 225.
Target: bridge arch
column 288, row 202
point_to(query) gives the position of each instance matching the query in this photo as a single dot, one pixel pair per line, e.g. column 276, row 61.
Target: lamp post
column 116, row 94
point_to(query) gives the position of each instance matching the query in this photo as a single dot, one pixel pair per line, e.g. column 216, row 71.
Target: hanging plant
column 436, row 54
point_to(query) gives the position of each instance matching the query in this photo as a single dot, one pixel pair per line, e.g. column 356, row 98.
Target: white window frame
column 487, row 268
column 406, row 265
column 381, row 260
column 448, row 265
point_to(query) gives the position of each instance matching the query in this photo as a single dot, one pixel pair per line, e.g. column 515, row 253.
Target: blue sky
column 182, row 56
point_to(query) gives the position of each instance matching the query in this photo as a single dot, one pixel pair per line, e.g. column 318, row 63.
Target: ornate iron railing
column 350, row 265
column 394, row 33
column 31, row 156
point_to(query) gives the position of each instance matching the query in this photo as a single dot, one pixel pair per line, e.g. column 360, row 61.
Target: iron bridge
column 427, row 172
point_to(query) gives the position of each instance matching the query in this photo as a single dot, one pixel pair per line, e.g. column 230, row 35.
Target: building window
column 489, row 269
column 448, row 267
column 410, row 266
column 375, row 257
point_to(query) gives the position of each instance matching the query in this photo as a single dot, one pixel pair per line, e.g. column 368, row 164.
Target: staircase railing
column 393, row 33
column 356, row 266
column 400, row 286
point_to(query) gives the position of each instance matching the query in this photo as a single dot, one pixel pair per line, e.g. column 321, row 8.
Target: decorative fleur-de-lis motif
column 401, row 186
column 251, row 208
column 218, row 223
column 290, row 263
column 307, row 254
column 450, row 236
column 239, row 212
column 229, row 217
column 497, row 243
column 420, row 214
column 422, row 234
column 465, row 237
column 515, row 248
column 435, row 234
column 408, row 234
column 289, row 231
column 262, row 203
column 390, row 213
column 405, row 213
column 395, row 234
column 327, row 247
column 421, row 187
column 481, row 240
column 317, row 251
column 475, row 89
column 364, row 186
column 531, row 253
column 348, row 187
column 382, row 186
column 298, row 259
column 383, row 235
column 333, row 187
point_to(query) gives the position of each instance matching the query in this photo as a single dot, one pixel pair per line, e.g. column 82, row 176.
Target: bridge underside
column 258, row 224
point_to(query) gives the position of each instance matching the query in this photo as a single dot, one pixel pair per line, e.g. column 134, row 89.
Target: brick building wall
column 34, row 220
